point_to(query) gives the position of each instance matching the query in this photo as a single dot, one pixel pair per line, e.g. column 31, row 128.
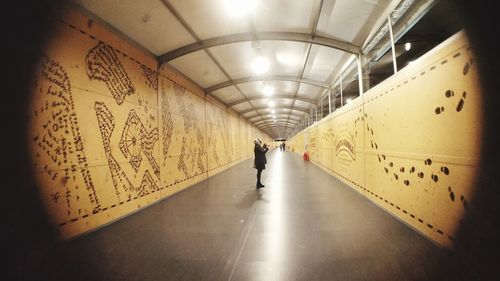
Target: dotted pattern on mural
column 60, row 140
column 399, row 172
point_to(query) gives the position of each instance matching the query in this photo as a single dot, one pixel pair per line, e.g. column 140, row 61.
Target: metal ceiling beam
column 276, row 126
column 266, row 78
column 277, row 120
column 278, row 111
column 250, row 36
column 263, row 108
column 290, row 97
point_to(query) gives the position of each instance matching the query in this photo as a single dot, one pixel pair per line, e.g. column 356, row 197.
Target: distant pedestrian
column 283, row 145
column 260, row 159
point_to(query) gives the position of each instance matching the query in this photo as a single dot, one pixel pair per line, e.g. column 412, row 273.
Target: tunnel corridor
column 304, row 225
column 126, row 162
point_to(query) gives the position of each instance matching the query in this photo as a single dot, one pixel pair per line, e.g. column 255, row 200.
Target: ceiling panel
column 143, row 21
column 250, row 114
column 277, row 111
column 237, row 58
column 278, row 115
column 228, row 94
column 270, row 111
column 255, row 118
column 211, row 19
column 301, row 104
column 322, row 63
column 283, row 103
column 258, row 88
column 262, row 103
column 293, row 16
column 350, row 20
column 242, row 106
column 299, row 113
column 200, row 68
column 309, row 91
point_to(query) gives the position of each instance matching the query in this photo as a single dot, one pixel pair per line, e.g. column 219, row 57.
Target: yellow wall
column 112, row 132
column 411, row 143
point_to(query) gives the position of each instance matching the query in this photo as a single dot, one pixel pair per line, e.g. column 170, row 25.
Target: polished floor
column 304, row 225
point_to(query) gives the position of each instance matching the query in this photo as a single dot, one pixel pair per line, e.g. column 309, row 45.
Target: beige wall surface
column 411, row 143
column 112, row 132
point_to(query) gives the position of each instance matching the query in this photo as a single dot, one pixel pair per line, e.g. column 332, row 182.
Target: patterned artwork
column 167, row 125
column 410, row 145
column 136, row 139
column 192, row 153
column 102, row 64
column 124, row 189
column 59, row 146
column 151, row 77
column 144, row 139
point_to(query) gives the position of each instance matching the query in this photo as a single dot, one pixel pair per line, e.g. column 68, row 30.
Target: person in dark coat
column 260, row 159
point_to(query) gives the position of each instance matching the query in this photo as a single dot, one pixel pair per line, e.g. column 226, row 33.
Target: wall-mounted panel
column 411, row 144
column 111, row 132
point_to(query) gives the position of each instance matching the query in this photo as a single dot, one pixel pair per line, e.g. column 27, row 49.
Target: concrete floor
column 304, row 225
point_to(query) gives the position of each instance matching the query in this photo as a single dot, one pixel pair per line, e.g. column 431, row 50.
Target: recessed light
column 268, row 90
column 260, row 65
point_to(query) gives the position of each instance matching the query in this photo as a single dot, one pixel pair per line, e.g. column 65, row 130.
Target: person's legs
column 259, row 184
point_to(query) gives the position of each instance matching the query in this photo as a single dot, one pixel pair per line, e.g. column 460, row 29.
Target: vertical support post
column 341, row 94
column 321, row 106
column 329, row 101
column 360, row 76
column 394, row 62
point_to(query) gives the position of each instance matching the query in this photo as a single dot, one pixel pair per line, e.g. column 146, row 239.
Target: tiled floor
column 304, row 225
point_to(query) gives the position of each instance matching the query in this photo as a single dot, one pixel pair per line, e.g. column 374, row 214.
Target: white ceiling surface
column 142, row 21
column 201, row 68
column 162, row 26
column 228, row 94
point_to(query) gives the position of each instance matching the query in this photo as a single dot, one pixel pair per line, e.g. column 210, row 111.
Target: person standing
column 283, row 145
column 260, row 159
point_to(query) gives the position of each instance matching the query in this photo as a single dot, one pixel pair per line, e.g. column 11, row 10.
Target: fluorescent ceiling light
column 408, row 46
column 260, row 65
column 271, row 103
column 273, row 111
column 268, row 90
column 240, row 8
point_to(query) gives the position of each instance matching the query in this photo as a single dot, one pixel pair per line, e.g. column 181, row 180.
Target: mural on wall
column 217, row 130
column 125, row 190
column 151, row 77
column 345, row 143
column 102, row 64
column 182, row 130
column 136, row 139
column 167, row 125
column 193, row 150
column 144, row 139
column 59, row 150
column 420, row 130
